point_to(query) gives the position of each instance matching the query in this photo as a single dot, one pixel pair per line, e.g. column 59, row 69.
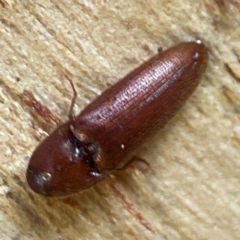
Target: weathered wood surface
column 192, row 190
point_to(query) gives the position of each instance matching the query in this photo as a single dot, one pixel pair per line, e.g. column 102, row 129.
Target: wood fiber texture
column 192, row 188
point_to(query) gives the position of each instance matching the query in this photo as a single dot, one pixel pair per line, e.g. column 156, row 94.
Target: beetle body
column 87, row 148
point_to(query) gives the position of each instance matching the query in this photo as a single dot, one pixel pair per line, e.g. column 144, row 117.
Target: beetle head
column 64, row 164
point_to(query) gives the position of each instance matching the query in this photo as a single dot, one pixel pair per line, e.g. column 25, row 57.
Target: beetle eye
column 46, row 176
column 42, row 178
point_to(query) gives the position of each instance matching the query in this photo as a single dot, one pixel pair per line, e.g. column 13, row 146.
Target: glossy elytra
column 85, row 149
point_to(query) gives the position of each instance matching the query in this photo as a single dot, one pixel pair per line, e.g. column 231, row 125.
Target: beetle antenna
column 70, row 113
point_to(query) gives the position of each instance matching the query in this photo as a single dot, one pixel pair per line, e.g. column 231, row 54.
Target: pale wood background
column 193, row 189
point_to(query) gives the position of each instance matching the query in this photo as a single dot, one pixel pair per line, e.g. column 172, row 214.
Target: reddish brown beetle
column 84, row 150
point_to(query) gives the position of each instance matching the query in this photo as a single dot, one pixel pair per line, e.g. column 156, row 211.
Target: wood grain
column 191, row 190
